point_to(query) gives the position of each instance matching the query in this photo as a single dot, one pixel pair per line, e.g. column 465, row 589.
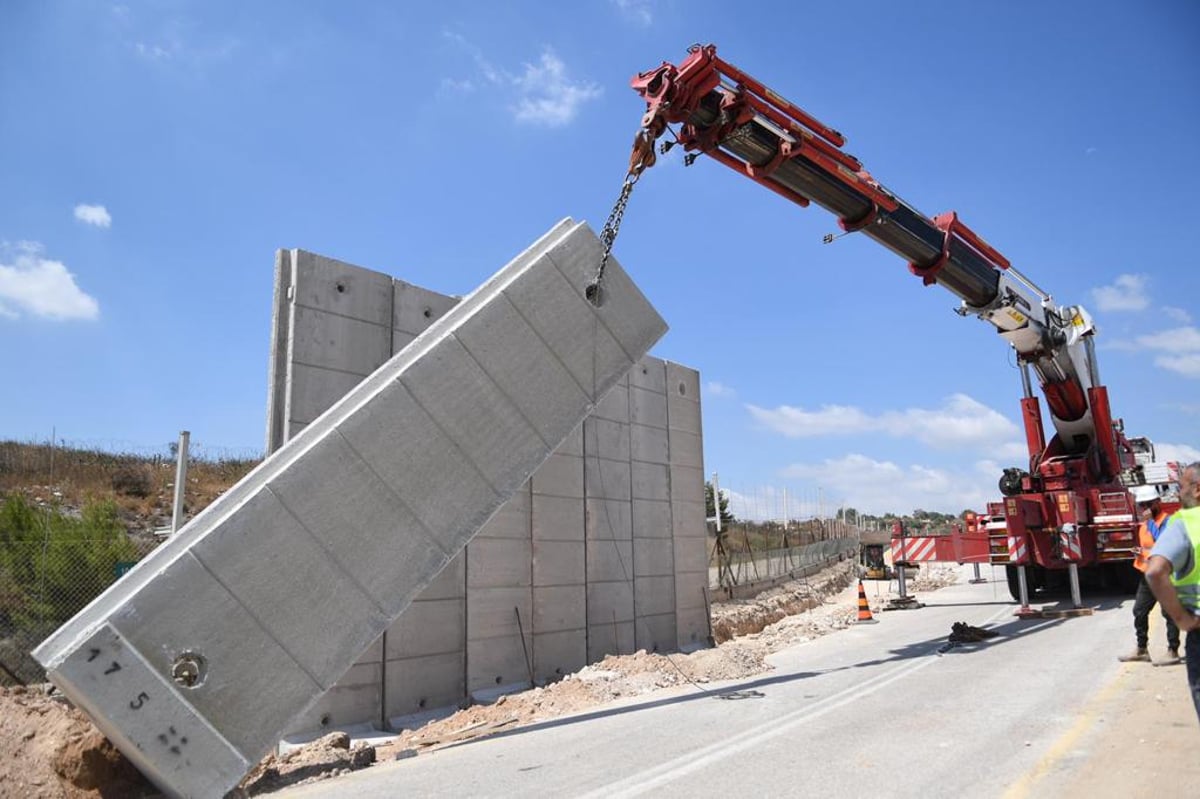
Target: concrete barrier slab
column 656, row 633
column 650, row 444
column 558, row 518
column 559, row 608
column 559, row 653
column 424, row 683
column 651, row 519
column 559, row 562
column 221, row 661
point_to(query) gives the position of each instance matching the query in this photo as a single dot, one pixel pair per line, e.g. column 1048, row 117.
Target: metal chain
column 641, row 158
column 608, row 235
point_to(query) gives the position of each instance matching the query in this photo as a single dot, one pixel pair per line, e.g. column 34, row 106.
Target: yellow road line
column 1023, row 788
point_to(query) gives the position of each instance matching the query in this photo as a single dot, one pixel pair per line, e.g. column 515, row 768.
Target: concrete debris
column 324, row 758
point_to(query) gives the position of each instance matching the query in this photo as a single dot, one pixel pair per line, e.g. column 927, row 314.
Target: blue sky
column 154, row 155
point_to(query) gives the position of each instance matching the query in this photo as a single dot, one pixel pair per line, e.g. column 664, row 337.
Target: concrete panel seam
column 198, row 716
column 351, row 372
column 589, row 393
column 254, row 617
column 399, row 499
column 520, row 412
column 330, row 556
column 446, row 433
column 328, row 312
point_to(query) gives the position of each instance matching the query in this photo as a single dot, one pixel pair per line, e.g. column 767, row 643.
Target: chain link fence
column 745, row 568
column 53, row 562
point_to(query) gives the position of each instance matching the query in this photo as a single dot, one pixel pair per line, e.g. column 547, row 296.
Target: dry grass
column 142, row 486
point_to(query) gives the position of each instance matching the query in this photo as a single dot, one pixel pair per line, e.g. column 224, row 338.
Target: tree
column 727, row 518
column 55, row 563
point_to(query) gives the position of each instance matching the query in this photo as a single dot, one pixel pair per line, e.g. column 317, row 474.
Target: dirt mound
column 825, row 603
column 327, row 757
column 740, row 617
column 50, row 750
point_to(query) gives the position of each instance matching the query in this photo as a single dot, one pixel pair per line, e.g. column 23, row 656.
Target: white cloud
column 542, row 94
column 961, row 422
column 640, row 12
column 156, row 52
column 1187, row 365
column 878, row 487
column 1183, row 453
column 96, row 215
column 1178, row 339
column 40, row 287
column 1177, row 314
column 1127, row 293
column 548, row 96
column 716, row 389
column 1180, row 347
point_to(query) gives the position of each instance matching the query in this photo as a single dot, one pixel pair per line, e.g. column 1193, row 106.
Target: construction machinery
column 874, row 566
column 1068, row 508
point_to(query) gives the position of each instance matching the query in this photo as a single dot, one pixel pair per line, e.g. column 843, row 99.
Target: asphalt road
column 887, row 709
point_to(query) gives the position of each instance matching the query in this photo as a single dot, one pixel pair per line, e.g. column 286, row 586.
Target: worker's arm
column 1158, row 575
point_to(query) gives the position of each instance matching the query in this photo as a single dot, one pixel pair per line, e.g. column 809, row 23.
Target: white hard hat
column 1145, row 494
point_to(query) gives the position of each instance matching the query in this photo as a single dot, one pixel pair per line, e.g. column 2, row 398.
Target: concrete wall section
column 653, row 551
column 426, row 665
column 500, row 599
column 585, row 555
column 608, row 476
column 559, row 569
column 688, row 530
column 315, row 553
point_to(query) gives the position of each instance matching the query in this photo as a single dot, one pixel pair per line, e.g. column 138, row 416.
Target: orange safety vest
column 1146, row 541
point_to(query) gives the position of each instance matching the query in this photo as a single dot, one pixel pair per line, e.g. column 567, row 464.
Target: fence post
column 180, row 481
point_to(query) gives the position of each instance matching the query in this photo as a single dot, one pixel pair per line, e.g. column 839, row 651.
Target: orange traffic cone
column 864, row 610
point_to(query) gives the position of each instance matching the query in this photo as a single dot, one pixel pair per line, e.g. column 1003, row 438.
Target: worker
column 1173, row 572
column 1154, row 519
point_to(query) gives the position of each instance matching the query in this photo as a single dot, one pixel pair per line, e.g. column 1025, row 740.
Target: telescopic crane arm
column 726, row 114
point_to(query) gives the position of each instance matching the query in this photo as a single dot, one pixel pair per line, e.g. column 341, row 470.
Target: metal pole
column 384, row 724
column 1073, row 574
column 180, row 481
column 716, row 501
column 1023, row 586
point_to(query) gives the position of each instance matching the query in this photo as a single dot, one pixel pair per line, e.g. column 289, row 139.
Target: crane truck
column 1068, row 509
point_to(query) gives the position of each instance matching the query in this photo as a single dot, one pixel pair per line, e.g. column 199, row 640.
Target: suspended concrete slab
column 196, row 661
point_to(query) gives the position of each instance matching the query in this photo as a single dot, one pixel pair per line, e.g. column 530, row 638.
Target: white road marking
column 665, row 773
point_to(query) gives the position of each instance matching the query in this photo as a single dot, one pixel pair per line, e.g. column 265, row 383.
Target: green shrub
column 52, row 564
